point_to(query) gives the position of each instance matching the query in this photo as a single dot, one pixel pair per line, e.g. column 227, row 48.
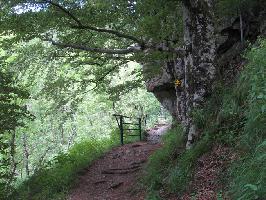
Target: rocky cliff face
column 228, row 60
column 163, row 88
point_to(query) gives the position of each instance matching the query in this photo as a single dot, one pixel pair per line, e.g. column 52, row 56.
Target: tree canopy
column 108, row 27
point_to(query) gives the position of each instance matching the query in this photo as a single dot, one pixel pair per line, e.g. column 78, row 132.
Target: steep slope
column 228, row 160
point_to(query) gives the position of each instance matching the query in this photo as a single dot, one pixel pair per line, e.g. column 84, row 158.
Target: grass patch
column 247, row 176
column 55, row 179
column 162, row 159
column 171, row 167
column 180, row 176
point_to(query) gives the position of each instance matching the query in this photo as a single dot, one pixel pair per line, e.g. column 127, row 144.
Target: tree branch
column 64, row 10
column 111, row 57
column 164, row 48
column 103, row 76
column 88, row 27
column 96, row 50
column 133, row 49
column 142, row 46
column 110, row 31
column 88, row 63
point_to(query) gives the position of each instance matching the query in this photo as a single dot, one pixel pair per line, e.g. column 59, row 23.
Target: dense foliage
column 248, row 174
column 67, row 110
column 11, row 116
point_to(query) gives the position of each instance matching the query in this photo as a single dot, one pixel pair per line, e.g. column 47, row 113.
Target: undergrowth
column 234, row 116
column 171, row 167
column 248, row 175
column 163, row 158
column 54, row 180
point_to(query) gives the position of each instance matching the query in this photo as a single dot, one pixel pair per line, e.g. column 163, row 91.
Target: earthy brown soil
column 115, row 175
column 209, row 167
column 205, row 184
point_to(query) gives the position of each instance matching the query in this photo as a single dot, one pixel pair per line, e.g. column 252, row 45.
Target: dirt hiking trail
column 115, row 175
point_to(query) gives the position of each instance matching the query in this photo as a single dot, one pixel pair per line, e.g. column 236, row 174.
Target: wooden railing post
column 121, row 130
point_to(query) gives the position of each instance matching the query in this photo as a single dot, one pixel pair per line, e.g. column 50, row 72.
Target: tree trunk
column 26, row 154
column 61, row 128
column 13, row 166
column 73, row 133
column 198, row 71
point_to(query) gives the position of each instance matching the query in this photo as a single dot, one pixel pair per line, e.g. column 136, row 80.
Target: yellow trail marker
column 177, row 82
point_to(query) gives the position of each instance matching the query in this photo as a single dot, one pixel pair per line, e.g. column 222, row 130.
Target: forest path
column 116, row 174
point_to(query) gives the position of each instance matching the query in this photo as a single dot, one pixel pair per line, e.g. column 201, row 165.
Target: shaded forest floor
column 206, row 184
column 116, row 175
